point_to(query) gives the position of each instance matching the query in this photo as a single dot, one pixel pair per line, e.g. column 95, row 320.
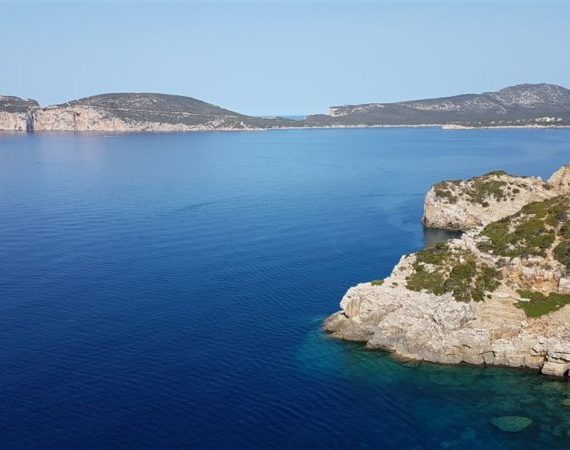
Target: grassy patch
column 539, row 304
column 562, row 253
column 442, row 190
column 530, row 232
column 435, row 254
column 423, row 280
column 482, row 189
column 479, row 189
column 377, row 282
column 439, row 270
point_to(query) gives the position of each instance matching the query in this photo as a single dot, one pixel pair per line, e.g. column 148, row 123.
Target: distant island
column 498, row 295
column 525, row 105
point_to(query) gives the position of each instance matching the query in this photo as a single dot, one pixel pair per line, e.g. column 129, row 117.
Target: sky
column 269, row 58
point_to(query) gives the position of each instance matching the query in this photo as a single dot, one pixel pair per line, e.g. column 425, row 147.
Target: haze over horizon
column 281, row 58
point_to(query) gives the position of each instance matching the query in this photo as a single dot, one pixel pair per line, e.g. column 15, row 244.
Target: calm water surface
column 167, row 291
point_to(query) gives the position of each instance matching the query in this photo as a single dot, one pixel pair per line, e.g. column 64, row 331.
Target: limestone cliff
column 138, row 112
column 495, row 296
column 15, row 113
column 128, row 112
column 14, row 121
column 464, row 205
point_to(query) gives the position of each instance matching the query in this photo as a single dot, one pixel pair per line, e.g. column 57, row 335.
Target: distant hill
column 521, row 105
column 524, row 104
column 148, row 112
column 151, row 107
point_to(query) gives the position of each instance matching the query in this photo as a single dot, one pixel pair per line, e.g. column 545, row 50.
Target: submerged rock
column 512, row 424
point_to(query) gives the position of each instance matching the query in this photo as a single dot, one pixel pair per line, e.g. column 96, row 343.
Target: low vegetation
column 377, row 282
column 495, row 172
column 478, row 189
column 440, row 269
column 483, row 188
column 444, row 190
column 539, row 304
column 531, row 232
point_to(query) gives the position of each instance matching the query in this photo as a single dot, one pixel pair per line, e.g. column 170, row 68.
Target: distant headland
column 524, row 105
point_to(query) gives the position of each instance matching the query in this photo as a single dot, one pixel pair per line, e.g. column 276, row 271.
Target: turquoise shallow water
column 167, row 291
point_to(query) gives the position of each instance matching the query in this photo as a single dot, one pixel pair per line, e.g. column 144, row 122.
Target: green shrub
column 436, row 254
column 495, row 172
column 377, row 282
column 539, row 304
column 482, row 189
column 562, row 252
column 488, row 278
column 497, row 232
column 532, row 231
column 440, row 270
column 442, row 191
column 430, row 281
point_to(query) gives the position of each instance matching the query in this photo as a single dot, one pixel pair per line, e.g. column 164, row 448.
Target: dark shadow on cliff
column 434, row 235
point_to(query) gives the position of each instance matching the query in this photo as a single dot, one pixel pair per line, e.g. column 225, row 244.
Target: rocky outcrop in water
column 496, row 296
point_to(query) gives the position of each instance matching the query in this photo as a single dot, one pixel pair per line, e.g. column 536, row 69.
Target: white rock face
column 463, row 205
column 475, row 103
column 124, row 112
column 87, row 118
column 339, row 111
column 13, row 121
column 560, row 180
column 75, row 119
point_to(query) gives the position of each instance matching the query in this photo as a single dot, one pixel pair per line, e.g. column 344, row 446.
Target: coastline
column 205, row 129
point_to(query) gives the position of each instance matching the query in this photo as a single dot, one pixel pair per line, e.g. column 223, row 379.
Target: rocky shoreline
column 495, row 296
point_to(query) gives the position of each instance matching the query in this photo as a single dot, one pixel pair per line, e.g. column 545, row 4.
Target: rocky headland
column 467, row 204
column 495, row 296
column 523, row 105
column 128, row 112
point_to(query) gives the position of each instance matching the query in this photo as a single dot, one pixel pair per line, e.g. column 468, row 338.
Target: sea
column 167, row 291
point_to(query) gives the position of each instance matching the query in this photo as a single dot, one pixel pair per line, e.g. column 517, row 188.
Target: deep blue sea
column 167, row 291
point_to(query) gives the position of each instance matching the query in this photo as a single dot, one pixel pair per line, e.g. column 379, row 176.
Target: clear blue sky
column 281, row 57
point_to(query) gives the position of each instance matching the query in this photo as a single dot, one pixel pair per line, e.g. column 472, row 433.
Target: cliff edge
column 16, row 113
column 467, row 204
